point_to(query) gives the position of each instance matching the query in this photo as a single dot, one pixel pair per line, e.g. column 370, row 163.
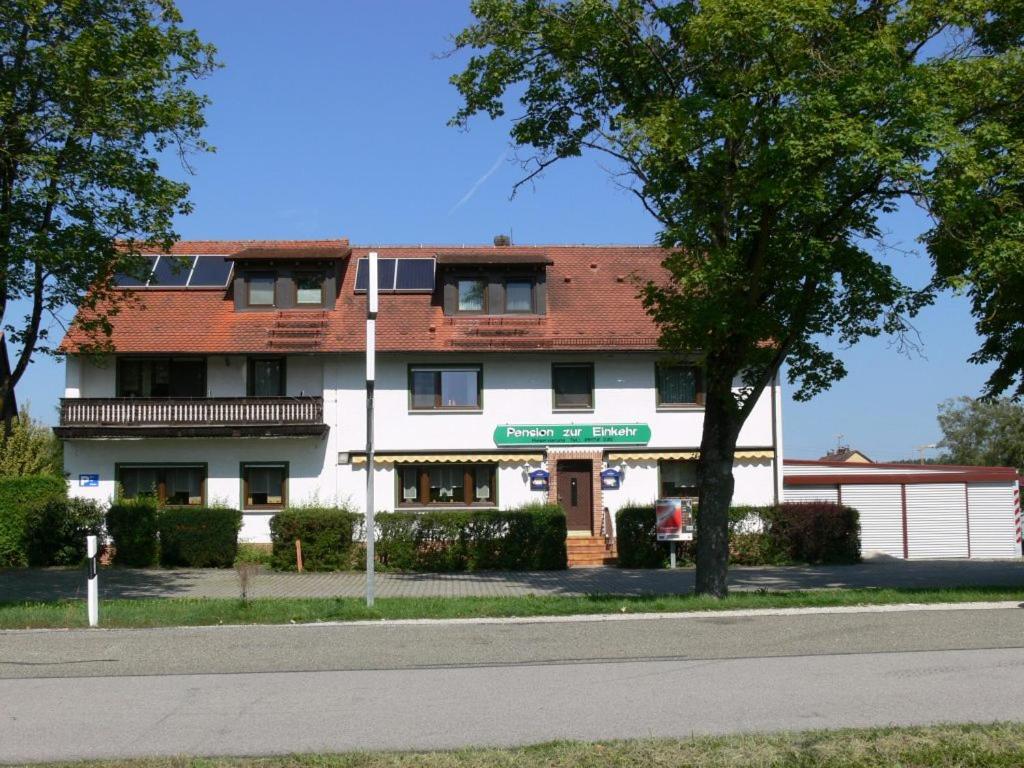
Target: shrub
column 18, row 496
column 528, row 538
column 326, row 534
column 637, row 543
column 57, row 530
column 199, row 538
column 133, row 526
column 815, row 532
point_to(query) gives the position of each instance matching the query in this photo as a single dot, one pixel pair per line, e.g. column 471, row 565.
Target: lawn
column 993, row 745
column 205, row 611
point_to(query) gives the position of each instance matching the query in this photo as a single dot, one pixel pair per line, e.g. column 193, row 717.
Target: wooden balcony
column 98, row 417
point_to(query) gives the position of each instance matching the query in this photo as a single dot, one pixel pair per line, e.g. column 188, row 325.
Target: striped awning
column 449, row 458
column 655, row 455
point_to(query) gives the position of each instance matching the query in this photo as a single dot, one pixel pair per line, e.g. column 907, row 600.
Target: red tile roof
column 592, row 304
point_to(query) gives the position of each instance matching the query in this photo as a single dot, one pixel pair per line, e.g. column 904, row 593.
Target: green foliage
column 57, row 530
column 132, row 524
column 30, row 448
column 255, row 554
column 19, row 496
column 528, row 538
column 767, row 138
column 326, row 533
column 986, row 433
column 816, row 532
column 198, row 538
column 92, row 95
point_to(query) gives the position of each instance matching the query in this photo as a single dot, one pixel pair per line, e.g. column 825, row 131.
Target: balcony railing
column 212, row 415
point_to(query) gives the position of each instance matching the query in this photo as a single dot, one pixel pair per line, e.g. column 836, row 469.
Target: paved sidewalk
column 55, row 583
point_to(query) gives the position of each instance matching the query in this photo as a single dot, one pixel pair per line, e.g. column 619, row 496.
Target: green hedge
column 57, row 530
column 815, row 532
column 198, row 537
column 19, row 496
column 327, row 535
column 132, row 524
column 528, row 538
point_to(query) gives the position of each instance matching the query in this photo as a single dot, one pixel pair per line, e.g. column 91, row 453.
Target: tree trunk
column 715, row 481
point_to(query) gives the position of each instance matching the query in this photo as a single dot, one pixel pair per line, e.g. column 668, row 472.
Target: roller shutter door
column 880, row 508
column 993, row 529
column 936, row 520
column 811, row 493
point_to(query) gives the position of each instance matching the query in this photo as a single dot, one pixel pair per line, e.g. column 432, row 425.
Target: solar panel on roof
column 131, row 281
column 171, row 271
column 385, row 274
column 210, row 272
column 415, row 275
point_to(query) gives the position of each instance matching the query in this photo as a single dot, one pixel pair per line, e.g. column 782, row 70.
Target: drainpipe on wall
column 777, row 459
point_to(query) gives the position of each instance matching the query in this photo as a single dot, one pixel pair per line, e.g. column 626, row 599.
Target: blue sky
column 329, row 119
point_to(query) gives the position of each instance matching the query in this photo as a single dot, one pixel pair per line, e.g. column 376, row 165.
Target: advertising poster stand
column 673, row 522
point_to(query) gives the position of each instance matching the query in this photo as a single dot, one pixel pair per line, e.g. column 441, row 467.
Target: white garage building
column 916, row 511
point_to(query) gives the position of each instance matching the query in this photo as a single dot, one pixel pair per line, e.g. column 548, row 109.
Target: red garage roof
column 592, row 304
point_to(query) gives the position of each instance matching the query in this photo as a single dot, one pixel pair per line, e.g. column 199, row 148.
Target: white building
column 914, row 511
column 237, row 378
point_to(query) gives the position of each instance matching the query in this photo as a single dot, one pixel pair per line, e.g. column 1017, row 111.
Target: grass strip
column 945, row 746
column 163, row 612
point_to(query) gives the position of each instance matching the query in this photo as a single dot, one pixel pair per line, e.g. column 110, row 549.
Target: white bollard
column 91, row 551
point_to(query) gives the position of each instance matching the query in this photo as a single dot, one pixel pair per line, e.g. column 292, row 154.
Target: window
column 447, row 484
column 678, row 479
column 261, row 289
column 573, row 385
column 161, row 377
column 518, row 296
column 264, row 486
column 266, row 377
column 174, row 485
column 472, row 295
column 309, row 289
column 440, row 388
column 679, row 385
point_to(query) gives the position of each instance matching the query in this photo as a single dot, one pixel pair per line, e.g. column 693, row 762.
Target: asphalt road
column 266, row 690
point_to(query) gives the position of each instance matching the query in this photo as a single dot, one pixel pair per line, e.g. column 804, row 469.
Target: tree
column 30, row 448
column 92, row 92
column 987, row 433
column 977, row 193
column 766, row 137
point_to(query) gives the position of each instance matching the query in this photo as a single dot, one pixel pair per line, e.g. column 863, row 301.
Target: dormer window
column 309, row 289
column 472, row 295
column 518, row 295
column 261, row 288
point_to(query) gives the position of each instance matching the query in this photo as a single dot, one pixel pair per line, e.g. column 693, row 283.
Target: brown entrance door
column 574, row 490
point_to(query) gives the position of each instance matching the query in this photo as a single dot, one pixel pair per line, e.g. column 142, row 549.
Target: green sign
column 572, row 434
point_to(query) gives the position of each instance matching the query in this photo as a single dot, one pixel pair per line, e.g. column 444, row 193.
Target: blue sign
column 611, row 479
column 539, row 480
column 89, row 481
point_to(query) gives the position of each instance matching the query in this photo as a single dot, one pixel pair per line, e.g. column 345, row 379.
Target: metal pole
column 672, row 555
column 91, row 551
column 371, row 350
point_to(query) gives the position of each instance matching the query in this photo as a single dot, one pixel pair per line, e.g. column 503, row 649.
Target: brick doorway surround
column 596, row 457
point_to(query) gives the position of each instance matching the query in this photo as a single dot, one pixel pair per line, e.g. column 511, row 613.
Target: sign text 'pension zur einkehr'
column 572, row 434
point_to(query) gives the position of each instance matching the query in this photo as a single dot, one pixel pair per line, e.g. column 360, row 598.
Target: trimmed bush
column 815, row 532
column 198, row 538
column 133, row 526
column 811, row 532
column 57, row 530
column 19, row 495
column 326, row 533
column 528, row 538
